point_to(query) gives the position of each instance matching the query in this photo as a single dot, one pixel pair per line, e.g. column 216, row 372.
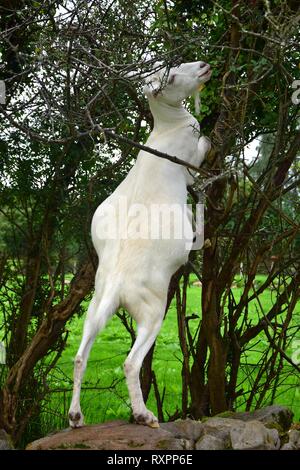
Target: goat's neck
column 167, row 117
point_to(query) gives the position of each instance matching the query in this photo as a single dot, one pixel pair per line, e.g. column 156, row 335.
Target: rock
column 296, row 425
column 225, row 414
column 253, row 435
column 294, row 441
column 260, row 429
column 231, row 433
column 116, row 435
column 209, row 442
column 220, row 428
column 5, row 441
column 274, row 416
column 184, row 429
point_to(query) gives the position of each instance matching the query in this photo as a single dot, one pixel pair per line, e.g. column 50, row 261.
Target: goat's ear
column 155, row 86
column 152, row 85
column 171, row 79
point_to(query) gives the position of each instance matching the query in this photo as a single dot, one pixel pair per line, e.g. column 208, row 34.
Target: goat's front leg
column 147, row 333
column 204, row 146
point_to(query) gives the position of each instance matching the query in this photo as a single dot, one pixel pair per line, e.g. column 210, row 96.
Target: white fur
column 135, row 273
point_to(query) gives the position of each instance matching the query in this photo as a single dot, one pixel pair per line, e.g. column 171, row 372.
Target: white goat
column 134, row 272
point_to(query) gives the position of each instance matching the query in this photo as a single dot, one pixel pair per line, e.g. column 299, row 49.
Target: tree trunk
column 48, row 333
column 198, row 388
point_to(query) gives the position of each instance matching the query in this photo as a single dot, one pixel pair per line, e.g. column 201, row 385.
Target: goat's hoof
column 155, row 424
column 75, row 419
column 146, row 419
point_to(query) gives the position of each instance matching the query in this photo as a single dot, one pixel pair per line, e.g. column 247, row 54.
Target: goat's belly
column 140, row 258
column 145, row 270
column 150, row 262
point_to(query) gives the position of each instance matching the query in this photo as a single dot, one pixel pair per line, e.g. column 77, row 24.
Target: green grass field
column 104, row 396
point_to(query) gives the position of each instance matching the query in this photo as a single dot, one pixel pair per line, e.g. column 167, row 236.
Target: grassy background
column 104, row 395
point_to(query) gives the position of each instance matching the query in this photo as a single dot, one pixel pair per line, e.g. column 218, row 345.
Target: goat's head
column 173, row 85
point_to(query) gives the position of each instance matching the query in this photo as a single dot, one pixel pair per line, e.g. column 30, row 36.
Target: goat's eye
column 171, row 79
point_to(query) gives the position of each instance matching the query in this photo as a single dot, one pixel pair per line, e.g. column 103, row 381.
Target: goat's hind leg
column 147, row 331
column 97, row 316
